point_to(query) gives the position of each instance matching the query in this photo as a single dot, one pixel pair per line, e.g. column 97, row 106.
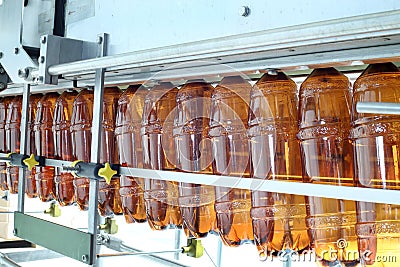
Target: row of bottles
column 237, row 130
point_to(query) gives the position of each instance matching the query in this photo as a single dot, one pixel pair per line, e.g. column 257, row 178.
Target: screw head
column 99, row 39
column 22, row 73
column 1, row 54
column 42, row 59
column 16, row 50
column 15, row 231
column 244, row 11
column 85, row 258
column 43, row 39
column 2, row 71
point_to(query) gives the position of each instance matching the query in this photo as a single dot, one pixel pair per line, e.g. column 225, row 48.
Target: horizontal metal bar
column 34, row 255
column 75, row 244
column 137, row 253
column 378, row 108
column 306, row 189
column 6, row 261
column 57, row 163
column 333, row 31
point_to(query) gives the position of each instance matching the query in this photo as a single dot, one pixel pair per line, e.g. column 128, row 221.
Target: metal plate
column 14, row 57
column 66, row 241
column 138, row 25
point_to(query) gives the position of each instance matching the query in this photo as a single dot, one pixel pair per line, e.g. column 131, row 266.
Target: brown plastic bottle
column 44, row 144
column 30, row 177
column 324, row 124
column 130, row 151
column 4, row 102
column 64, row 181
column 109, row 197
column 81, row 137
column 228, row 126
column 159, row 154
column 193, row 147
column 81, row 125
column 13, row 135
column 376, row 147
column 278, row 219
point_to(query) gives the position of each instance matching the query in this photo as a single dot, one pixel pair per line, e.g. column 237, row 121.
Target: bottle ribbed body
column 30, row 176
column 4, row 102
column 193, row 147
column 278, row 219
column 159, row 154
column 44, row 143
column 81, row 123
column 376, row 145
column 13, row 136
column 81, row 137
column 130, row 151
column 324, row 124
column 228, row 132
column 109, row 197
column 64, row 181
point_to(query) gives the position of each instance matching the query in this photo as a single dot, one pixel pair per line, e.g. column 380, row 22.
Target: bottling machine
column 53, row 45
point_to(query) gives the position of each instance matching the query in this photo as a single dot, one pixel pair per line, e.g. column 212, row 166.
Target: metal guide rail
column 307, row 189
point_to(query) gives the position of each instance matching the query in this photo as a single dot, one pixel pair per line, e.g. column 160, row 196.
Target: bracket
column 57, row 50
column 13, row 56
column 4, row 79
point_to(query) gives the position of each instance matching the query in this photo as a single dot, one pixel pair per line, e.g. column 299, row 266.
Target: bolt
column 43, row 40
column 16, row 50
column 84, row 258
column 2, row 71
column 2, row 86
column 244, row 11
column 22, row 73
column 15, row 231
column 272, row 72
column 99, row 39
column 42, row 59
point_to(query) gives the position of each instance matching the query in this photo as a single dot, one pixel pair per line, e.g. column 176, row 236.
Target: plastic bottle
column 376, row 147
column 13, row 136
column 278, row 219
column 64, row 181
column 81, row 125
column 4, row 102
column 81, row 137
column 190, row 132
column 130, row 151
column 324, row 124
column 109, row 197
column 228, row 126
column 159, row 154
column 30, row 176
column 44, row 144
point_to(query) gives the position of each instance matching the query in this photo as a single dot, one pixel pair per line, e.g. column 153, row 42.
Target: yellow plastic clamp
column 110, row 226
column 107, row 173
column 30, row 162
column 54, row 210
column 194, row 248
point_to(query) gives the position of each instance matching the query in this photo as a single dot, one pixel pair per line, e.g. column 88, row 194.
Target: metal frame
column 89, row 249
column 13, row 55
column 297, row 188
column 345, row 41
